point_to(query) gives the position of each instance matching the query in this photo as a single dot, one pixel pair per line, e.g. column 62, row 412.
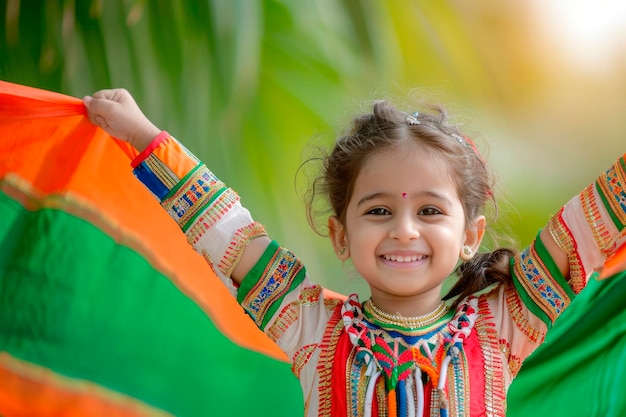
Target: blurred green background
column 249, row 85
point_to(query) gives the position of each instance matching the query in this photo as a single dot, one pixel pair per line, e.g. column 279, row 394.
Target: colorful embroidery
column 458, row 384
column 288, row 316
column 610, row 185
column 594, row 219
column 291, row 313
column 275, row 281
column 156, row 174
column 357, row 385
column 516, row 309
column 495, row 404
column 207, row 219
column 534, row 276
column 197, row 192
column 165, row 175
column 208, row 259
column 235, row 248
column 386, row 354
column 301, row 358
column 328, row 347
column 311, row 296
column 565, row 241
column 514, row 362
column 331, row 303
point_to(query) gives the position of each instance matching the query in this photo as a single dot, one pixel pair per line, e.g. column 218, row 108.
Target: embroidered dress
column 350, row 359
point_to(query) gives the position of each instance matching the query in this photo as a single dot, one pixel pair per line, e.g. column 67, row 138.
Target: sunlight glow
column 591, row 32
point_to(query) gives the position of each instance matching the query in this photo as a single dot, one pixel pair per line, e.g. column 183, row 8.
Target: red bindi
column 404, row 195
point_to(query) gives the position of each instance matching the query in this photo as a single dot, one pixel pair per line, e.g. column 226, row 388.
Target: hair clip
column 412, row 119
column 459, row 139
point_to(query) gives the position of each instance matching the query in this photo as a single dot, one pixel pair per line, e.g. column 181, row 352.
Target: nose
column 405, row 227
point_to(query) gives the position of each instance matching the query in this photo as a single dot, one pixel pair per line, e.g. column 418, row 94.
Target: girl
column 407, row 194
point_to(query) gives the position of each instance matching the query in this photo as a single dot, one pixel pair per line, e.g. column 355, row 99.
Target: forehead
column 407, row 165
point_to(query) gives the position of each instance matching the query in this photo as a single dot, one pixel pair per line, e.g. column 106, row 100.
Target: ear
column 338, row 237
column 474, row 234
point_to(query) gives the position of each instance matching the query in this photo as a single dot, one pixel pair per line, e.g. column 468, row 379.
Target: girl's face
column 405, row 228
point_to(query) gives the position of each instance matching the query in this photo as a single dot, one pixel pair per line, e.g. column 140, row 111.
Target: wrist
column 144, row 138
column 154, row 143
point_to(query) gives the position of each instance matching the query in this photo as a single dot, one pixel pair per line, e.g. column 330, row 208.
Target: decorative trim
column 328, row 347
column 514, row 362
column 199, row 193
column 539, row 279
column 594, row 219
column 516, row 309
column 161, row 171
column 610, row 185
column 459, row 400
column 495, row 398
column 288, row 316
column 565, row 240
column 237, row 245
column 291, row 313
column 158, row 139
column 301, row 358
column 280, row 273
column 400, row 322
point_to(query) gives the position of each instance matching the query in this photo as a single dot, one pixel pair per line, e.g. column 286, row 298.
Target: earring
column 467, row 251
column 342, row 250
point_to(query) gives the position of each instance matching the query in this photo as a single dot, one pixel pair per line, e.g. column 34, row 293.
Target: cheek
column 452, row 237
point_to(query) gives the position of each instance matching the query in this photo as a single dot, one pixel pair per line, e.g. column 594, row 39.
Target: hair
column 386, row 127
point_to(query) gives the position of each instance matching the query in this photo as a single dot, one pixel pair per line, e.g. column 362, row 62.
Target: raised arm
column 118, row 114
column 590, row 227
column 268, row 281
column 577, row 241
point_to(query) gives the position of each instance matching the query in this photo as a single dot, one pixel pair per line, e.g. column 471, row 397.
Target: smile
column 395, row 258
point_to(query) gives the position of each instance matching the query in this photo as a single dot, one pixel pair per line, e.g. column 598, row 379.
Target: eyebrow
column 385, row 194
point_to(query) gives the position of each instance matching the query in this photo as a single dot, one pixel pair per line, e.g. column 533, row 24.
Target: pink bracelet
column 158, row 139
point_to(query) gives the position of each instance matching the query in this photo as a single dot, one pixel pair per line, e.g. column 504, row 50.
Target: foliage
column 247, row 85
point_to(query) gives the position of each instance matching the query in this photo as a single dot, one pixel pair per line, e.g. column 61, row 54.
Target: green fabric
column 605, row 198
column 256, row 273
column 75, row 301
column 606, row 203
column 580, row 370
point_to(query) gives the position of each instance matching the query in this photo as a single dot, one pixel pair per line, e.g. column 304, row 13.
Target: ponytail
column 480, row 272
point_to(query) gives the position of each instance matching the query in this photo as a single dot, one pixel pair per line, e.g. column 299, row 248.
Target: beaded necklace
column 406, row 322
column 379, row 355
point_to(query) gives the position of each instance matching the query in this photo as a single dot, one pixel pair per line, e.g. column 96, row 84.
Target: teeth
column 395, row 258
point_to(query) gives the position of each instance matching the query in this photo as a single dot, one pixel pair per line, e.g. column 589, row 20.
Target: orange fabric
column 52, row 395
column 614, row 264
column 47, row 140
column 175, row 158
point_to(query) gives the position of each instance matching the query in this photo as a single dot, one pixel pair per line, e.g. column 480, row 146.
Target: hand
column 118, row 114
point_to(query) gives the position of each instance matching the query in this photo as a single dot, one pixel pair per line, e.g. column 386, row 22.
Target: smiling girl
column 407, row 194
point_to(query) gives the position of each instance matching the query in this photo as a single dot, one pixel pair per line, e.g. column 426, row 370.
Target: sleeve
column 588, row 229
column 277, row 293
column 209, row 213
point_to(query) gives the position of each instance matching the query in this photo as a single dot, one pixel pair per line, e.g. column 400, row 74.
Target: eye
column 379, row 211
column 429, row 211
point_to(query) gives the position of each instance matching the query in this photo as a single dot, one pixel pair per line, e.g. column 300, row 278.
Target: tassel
column 419, row 389
column 443, row 373
column 443, row 403
column 410, row 397
column 369, row 395
column 392, row 405
column 401, row 393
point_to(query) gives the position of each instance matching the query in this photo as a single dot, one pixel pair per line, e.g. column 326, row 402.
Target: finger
column 107, row 93
column 100, row 121
column 102, row 106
